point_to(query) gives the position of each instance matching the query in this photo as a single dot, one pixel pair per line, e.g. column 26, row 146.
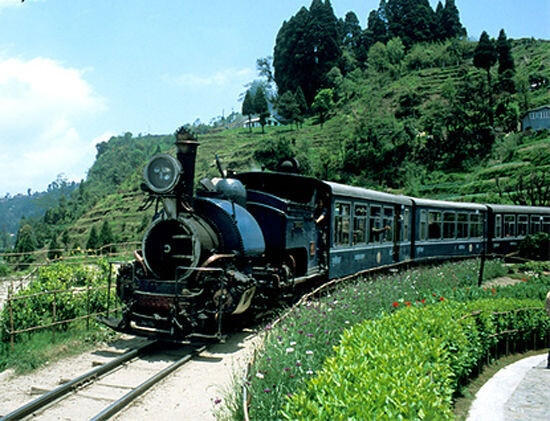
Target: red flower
column 423, row 301
column 395, row 304
column 441, row 299
column 408, row 303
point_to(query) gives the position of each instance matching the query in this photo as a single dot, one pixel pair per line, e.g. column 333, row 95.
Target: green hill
column 394, row 128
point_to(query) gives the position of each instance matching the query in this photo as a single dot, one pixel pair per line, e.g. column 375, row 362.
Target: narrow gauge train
column 238, row 244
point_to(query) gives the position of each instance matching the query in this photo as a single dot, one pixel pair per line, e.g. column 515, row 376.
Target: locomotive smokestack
column 186, row 145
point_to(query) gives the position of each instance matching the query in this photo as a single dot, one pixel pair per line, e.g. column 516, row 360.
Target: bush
column 535, row 246
column 410, row 364
column 35, row 308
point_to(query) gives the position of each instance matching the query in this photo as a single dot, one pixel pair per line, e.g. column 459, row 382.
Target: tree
column 485, row 55
column 93, row 240
column 288, row 108
column 54, row 251
column 504, row 51
column 323, row 104
column 377, row 26
column 506, row 66
column 260, row 107
column 411, row 20
column 106, row 238
column 306, row 48
column 350, row 32
column 25, row 244
column 448, row 21
column 248, row 108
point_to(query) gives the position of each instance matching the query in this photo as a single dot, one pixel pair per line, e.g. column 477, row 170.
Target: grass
column 33, row 351
column 295, row 348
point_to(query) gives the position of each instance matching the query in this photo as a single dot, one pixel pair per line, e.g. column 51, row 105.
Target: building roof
column 542, row 107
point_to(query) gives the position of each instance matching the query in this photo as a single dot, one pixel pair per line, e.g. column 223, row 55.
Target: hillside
column 389, row 130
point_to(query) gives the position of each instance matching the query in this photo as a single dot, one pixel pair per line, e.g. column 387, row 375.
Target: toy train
column 239, row 244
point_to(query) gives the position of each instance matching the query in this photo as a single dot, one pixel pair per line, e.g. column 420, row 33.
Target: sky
column 76, row 72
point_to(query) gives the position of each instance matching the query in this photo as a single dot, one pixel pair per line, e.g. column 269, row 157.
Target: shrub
column 535, row 246
column 408, row 365
column 69, row 282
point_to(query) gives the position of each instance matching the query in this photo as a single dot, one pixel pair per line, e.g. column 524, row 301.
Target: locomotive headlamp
column 162, row 173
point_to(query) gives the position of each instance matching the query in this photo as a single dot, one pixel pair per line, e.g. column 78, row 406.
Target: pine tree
column 292, row 60
column 504, row 50
column 25, row 244
column 449, row 22
column 53, row 249
column 411, row 20
column 377, row 29
column 106, row 238
column 506, row 66
column 248, row 108
column 260, row 107
column 485, row 55
column 306, row 48
column 93, row 240
column 288, row 108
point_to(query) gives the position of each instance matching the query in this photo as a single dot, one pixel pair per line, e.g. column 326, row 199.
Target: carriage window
column 509, row 226
column 423, row 225
column 535, row 224
column 476, row 225
column 498, row 226
column 375, row 226
column 546, row 224
column 341, row 223
column 523, row 222
column 359, row 224
column 387, row 225
column 434, row 225
column 462, row 225
column 449, row 224
column 406, row 223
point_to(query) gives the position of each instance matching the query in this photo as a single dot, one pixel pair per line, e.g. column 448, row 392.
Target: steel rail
column 66, row 388
column 142, row 388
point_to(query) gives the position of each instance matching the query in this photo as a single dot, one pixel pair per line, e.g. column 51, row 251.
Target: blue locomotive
column 239, row 244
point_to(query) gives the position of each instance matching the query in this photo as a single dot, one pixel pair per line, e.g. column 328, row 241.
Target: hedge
column 410, row 364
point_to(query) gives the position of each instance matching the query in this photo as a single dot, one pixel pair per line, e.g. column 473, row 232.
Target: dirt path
column 194, row 392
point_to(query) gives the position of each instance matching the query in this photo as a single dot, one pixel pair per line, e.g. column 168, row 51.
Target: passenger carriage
column 444, row 229
column 509, row 224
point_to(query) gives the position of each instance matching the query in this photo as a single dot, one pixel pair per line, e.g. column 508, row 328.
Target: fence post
column 109, row 288
column 54, row 317
column 88, row 303
column 10, row 307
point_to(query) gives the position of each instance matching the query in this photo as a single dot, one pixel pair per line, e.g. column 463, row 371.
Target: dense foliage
column 309, row 340
column 60, row 292
column 408, row 365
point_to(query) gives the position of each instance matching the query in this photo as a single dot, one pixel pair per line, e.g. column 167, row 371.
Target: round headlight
column 162, row 173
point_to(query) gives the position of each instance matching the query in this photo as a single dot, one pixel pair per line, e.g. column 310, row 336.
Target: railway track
column 104, row 391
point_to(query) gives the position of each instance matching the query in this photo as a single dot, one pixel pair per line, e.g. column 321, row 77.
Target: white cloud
column 224, row 77
column 9, row 3
column 41, row 106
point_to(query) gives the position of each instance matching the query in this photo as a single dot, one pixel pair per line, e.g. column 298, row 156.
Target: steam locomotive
column 238, row 244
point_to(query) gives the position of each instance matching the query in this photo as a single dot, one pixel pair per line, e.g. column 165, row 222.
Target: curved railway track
column 104, row 391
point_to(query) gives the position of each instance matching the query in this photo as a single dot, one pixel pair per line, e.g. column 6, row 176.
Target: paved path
column 520, row 391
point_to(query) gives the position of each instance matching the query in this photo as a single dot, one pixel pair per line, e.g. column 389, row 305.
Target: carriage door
column 396, row 232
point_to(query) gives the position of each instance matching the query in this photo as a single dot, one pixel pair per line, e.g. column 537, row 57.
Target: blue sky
column 75, row 72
